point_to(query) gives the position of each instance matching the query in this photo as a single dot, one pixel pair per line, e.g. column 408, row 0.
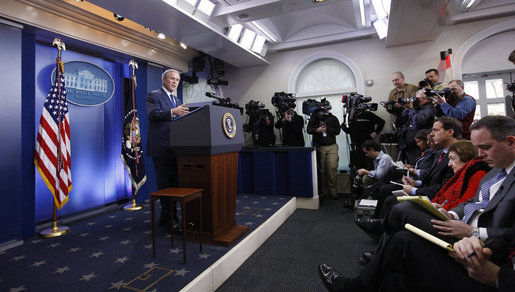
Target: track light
column 118, row 17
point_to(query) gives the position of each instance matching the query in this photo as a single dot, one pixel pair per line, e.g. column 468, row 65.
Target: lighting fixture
column 470, row 3
column 382, row 8
column 235, row 32
column 381, row 27
column 264, row 31
column 183, row 45
column 206, row 6
column 118, row 17
column 362, row 12
column 191, row 2
column 161, row 36
column 247, row 39
column 258, row 44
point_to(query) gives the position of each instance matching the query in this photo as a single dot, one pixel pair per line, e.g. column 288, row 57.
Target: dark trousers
column 407, row 262
column 385, row 195
column 166, row 177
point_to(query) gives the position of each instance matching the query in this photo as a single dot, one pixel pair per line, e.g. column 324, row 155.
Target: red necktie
column 440, row 157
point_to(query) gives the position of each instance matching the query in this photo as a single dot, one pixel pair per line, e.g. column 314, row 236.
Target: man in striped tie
column 162, row 108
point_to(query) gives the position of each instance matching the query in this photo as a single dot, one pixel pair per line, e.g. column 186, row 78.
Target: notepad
column 429, row 237
column 424, row 202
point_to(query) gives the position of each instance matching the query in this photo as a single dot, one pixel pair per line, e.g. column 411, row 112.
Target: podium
column 207, row 142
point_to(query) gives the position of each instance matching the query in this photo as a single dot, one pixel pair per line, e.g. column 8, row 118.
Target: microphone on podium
column 212, row 95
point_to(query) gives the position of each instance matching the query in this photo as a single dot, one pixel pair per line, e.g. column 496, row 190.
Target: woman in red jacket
column 468, row 172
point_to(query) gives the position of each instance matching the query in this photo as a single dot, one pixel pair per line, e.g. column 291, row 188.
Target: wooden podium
column 207, row 142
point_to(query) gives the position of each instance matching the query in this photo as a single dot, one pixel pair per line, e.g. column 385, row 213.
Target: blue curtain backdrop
column 98, row 175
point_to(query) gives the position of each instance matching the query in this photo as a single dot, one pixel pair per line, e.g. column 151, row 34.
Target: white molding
column 360, row 82
column 473, row 40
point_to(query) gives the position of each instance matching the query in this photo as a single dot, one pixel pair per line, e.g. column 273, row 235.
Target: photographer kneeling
column 419, row 113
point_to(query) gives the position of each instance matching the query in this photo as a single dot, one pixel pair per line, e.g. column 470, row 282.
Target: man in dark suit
column 162, row 108
column 490, row 213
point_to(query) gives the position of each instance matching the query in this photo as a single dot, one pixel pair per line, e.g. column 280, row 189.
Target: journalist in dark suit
column 494, row 136
column 162, row 108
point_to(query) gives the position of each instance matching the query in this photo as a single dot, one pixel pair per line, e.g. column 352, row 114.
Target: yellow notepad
column 424, row 202
column 429, row 237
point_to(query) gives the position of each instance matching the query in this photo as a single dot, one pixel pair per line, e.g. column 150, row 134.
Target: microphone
column 212, row 95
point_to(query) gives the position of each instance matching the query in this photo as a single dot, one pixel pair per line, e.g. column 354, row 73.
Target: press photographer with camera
column 363, row 124
column 260, row 124
column 324, row 127
column 288, row 120
column 455, row 103
column 419, row 113
column 434, row 76
column 403, row 90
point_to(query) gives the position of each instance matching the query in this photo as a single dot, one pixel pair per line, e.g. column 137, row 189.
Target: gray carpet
column 288, row 260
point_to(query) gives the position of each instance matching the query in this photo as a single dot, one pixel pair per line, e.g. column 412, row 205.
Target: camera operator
column 403, row 90
column 292, row 125
column 324, row 127
column 363, row 125
column 433, row 75
column 458, row 105
column 261, row 124
column 419, row 113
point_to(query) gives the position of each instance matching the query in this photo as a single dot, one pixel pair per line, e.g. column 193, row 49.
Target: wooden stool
column 181, row 195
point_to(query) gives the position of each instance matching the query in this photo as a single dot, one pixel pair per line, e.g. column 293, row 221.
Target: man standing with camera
column 458, row 105
column 434, row 76
column 403, row 90
column 324, row 127
column 292, row 125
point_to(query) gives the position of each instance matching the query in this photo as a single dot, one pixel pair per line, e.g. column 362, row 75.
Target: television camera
column 317, row 109
column 354, row 104
column 283, row 102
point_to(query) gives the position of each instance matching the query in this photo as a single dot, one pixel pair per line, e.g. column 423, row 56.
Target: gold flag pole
column 132, row 206
column 56, row 230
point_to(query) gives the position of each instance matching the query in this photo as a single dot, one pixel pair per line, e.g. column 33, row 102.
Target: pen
column 443, row 204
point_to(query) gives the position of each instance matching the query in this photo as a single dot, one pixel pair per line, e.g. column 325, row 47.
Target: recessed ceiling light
column 243, row 16
column 161, row 36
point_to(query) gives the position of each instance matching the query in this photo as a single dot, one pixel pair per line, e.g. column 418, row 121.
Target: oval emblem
column 86, row 84
column 229, row 125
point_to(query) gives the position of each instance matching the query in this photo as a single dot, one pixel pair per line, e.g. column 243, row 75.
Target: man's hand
column 439, row 99
column 452, row 228
column 408, row 181
column 373, row 134
column 471, row 253
column 362, row 172
column 180, row 110
column 407, row 189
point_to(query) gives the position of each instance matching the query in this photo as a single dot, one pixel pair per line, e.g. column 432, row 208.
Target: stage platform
column 111, row 250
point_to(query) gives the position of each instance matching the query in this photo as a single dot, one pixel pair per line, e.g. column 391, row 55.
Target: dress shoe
column 365, row 258
column 373, row 227
column 332, row 280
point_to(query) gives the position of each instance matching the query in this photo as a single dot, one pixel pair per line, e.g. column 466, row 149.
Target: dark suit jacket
column 437, row 177
column 499, row 214
column 159, row 116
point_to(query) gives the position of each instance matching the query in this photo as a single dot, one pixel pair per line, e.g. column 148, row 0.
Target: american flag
column 53, row 151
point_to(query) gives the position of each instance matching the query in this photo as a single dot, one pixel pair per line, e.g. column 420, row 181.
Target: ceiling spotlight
column 183, row 45
column 161, row 36
column 118, row 17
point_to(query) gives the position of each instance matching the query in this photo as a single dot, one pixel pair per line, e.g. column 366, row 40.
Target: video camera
column 283, row 101
column 510, row 87
column 317, row 109
column 358, row 102
column 252, row 108
column 446, row 92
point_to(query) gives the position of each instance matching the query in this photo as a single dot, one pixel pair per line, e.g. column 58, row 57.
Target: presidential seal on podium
column 229, row 125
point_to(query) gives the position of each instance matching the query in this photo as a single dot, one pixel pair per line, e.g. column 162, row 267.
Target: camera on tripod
column 317, row 109
column 284, row 102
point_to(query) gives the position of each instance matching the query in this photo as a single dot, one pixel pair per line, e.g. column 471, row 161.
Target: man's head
column 433, row 75
column 457, row 89
column 511, row 58
column 422, row 98
column 398, row 79
column 446, row 130
column 171, row 79
column 494, row 137
column 371, row 148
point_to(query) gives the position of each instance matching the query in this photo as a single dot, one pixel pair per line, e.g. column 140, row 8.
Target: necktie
column 172, row 98
column 470, row 208
column 440, row 157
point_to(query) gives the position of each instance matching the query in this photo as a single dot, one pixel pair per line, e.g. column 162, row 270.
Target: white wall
column 491, row 54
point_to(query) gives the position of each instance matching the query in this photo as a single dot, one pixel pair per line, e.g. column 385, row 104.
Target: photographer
column 419, row 113
column 324, row 127
column 292, row 125
column 363, row 125
column 403, row 90
column 261, row 124
column 458, row 105
column 434, row 76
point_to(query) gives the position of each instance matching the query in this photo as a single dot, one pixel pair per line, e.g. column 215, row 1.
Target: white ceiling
column 300, row 23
